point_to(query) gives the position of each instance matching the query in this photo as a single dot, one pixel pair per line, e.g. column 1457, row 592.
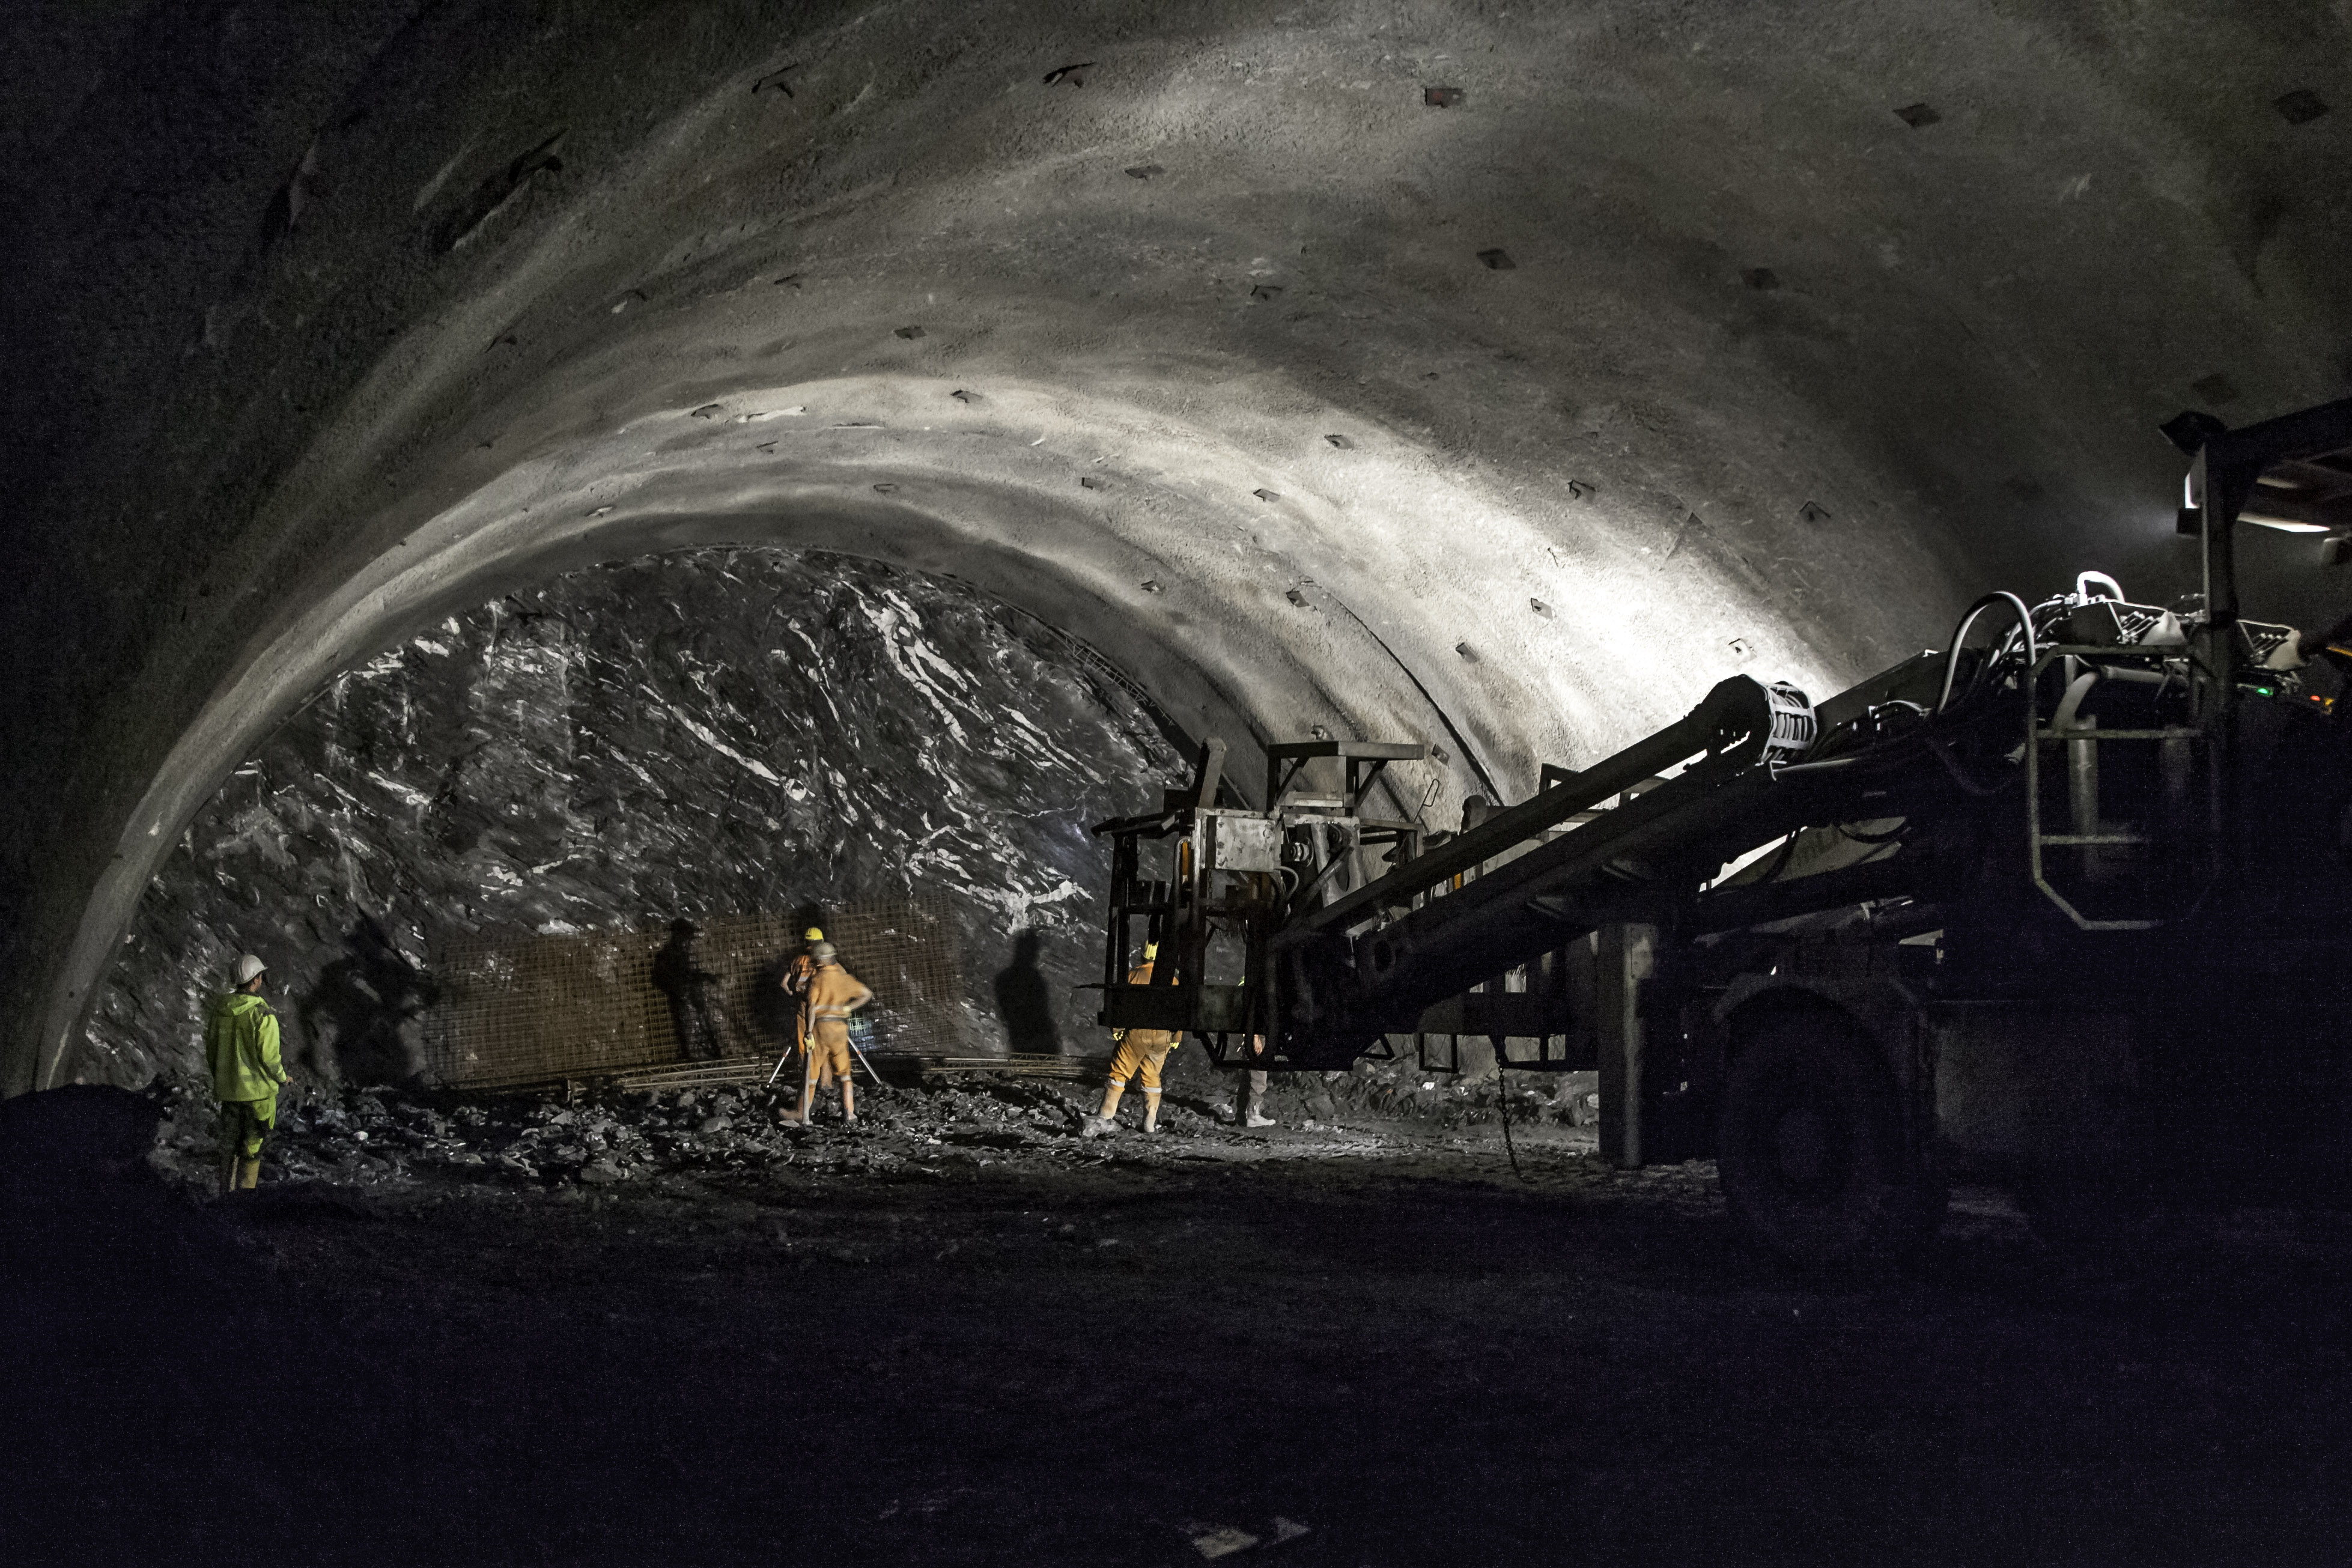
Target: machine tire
column 1810, row 1150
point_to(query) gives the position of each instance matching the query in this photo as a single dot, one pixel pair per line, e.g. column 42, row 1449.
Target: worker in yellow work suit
column 241, row 1050
column 833, row 995
column 795, row 984
column 1141, row 1053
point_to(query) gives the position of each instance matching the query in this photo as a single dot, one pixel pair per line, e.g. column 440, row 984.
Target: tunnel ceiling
column 1498, row 378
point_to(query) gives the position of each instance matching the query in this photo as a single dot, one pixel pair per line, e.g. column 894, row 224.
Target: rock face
column 707, row 732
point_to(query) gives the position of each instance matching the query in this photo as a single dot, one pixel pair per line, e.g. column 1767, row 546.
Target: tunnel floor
column 1368, row 1344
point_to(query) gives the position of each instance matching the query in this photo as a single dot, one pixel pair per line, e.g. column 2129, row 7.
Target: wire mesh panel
column 519, row 1007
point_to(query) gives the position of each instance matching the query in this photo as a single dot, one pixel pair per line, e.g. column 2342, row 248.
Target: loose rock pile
column 381, row 1134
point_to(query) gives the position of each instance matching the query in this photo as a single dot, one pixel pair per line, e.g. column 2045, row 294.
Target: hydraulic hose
column 1960, row 632
column 1826, row 765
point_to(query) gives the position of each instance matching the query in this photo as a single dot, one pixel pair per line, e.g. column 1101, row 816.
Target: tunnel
column 556, row 468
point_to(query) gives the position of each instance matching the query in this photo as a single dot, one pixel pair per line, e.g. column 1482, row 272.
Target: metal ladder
column 2081, row 738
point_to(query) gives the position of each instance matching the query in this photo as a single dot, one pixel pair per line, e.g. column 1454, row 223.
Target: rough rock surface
column 689, row 734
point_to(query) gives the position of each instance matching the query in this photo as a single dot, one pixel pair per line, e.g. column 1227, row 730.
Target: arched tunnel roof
column 1500, row 379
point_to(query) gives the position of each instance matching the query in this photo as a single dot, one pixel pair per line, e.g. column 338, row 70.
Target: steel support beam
column 1628, row 959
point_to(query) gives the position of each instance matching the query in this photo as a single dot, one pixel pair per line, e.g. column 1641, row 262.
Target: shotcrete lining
column 1969, row 329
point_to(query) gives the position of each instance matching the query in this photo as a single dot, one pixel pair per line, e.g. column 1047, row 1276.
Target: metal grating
column 518, row 1008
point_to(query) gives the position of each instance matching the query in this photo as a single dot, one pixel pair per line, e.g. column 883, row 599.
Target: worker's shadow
column 362, row 1022
column 1025, row 1001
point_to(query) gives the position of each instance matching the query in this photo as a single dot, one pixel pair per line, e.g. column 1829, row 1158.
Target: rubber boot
column 849, row 1102
column 1255, row 1115
column 248, row 1174
column 228, row 1175
column 1105, row 1120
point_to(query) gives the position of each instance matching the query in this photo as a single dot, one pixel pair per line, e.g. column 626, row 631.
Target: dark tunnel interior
column 526, row 518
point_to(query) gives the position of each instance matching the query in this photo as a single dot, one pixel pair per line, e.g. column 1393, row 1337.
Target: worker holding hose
column 241, row 1050
column 833, row 995
column 1141, row 1053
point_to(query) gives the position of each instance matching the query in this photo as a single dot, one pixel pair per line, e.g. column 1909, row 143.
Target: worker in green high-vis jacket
column 241, row 1048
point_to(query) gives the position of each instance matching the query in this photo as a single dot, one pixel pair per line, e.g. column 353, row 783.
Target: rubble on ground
column 602, row 1139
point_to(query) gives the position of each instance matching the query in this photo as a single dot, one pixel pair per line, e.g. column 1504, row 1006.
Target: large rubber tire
column 1811, row 1148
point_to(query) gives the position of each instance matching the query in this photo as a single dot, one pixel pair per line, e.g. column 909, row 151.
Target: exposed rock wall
column 707, row 732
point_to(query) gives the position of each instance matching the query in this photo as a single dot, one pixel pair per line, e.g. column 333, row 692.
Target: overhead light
column 2282, row 524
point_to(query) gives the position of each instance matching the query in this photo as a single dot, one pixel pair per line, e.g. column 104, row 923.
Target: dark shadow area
column 465, row 1371
column 568, row 1379
column 363, row 1015
column 772, row 1006
column 679, row 972
column 173, row 1381
column 1024, row 1000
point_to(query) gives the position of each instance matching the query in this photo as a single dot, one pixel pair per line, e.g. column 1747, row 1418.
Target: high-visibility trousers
column 1138, row 1059
column 828, row 1048
column 246, row 1125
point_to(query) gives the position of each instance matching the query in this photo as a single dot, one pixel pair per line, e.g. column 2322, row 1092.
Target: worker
column 1140, row 1053
column 833, row 995
column 1254, row 1102
column 795, row 984
column 242, row 1052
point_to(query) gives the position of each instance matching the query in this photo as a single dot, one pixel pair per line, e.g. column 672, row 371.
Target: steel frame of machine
column 1608, row 888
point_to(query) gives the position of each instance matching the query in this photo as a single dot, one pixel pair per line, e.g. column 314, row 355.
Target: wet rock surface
column 706, row 732
column 1366, row 1344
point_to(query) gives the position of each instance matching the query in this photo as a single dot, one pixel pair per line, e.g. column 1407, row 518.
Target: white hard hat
column 824, row 953
column 246, row 968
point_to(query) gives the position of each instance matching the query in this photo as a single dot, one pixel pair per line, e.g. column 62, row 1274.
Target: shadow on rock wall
column 710, row 733
column 1025, row 999
column 364, row 1021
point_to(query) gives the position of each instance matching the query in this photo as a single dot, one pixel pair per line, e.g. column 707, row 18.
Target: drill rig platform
column 2043, row 907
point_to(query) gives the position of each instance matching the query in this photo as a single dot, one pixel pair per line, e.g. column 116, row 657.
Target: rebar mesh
column 519, row 1007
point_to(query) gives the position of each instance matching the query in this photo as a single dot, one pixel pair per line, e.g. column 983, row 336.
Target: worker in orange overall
column 1141, row 1053
column 796, row 984
column 831, row 995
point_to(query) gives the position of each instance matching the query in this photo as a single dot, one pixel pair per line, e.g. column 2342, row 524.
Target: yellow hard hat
column 811, row 934
column 1150, row 950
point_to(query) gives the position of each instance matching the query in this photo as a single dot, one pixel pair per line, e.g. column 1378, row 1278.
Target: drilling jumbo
column 2063, row 907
